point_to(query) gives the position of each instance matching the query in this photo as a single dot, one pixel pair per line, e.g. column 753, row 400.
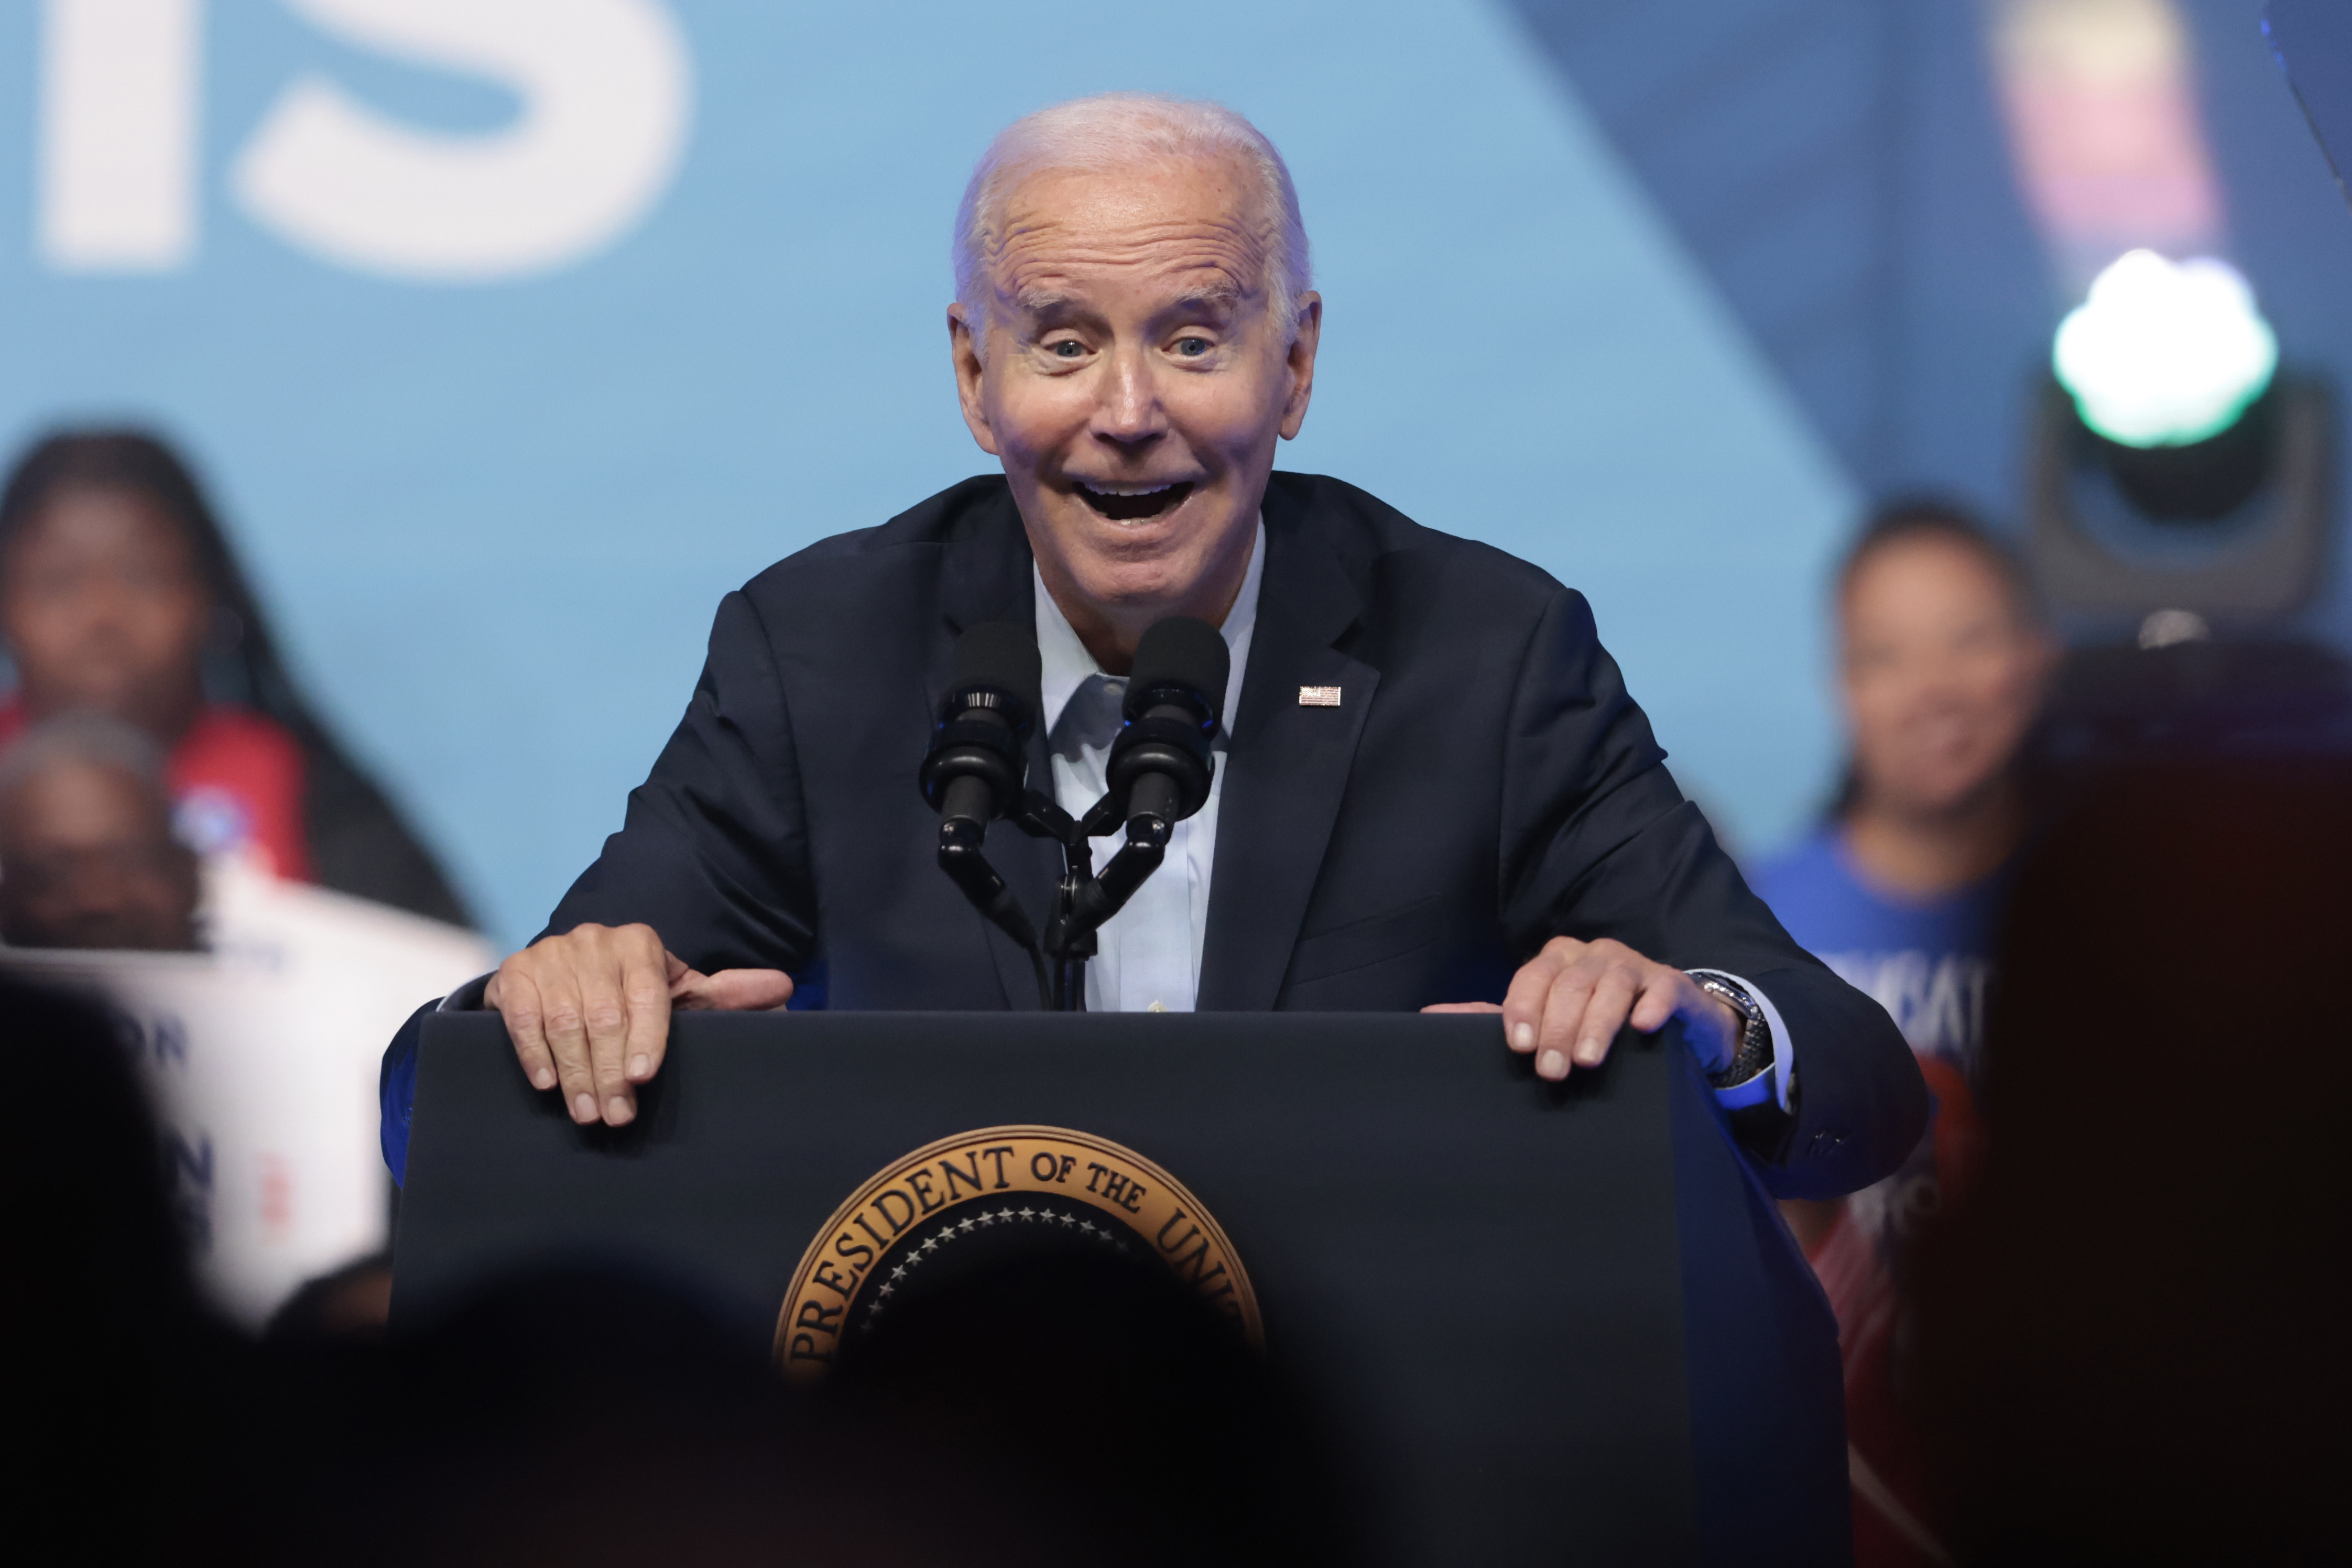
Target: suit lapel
column 984, row 576
column 1287, row 765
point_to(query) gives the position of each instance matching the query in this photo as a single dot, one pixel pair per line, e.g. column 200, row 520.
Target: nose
column 1127, row 414
column 107, row 606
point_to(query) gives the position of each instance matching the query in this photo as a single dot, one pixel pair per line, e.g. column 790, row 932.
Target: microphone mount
column 1083, row 901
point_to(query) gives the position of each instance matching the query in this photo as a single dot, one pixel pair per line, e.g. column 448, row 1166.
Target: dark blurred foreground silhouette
column 1069, row 1413
column 2130, row 1342
column 114, row 1379
column 585, row 1417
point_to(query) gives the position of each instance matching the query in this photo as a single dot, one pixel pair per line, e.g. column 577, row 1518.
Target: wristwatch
column 1755, row 1053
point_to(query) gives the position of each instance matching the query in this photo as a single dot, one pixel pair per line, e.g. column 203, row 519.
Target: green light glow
column 2164, row 354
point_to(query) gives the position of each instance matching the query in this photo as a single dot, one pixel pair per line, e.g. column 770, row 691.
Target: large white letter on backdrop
column 607, row 91
column 118, row 181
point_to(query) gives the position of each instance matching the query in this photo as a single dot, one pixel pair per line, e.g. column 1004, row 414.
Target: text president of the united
column 1434, row 788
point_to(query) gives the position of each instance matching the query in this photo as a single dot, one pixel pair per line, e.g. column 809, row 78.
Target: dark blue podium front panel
column 1563, row 1322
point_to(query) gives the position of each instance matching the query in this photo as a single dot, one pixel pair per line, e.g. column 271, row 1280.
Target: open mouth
column 1135, row 503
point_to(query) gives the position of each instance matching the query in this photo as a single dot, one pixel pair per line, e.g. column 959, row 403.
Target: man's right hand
column 589, row 1010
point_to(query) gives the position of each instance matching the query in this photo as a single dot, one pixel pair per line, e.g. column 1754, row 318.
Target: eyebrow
column 1224, row 296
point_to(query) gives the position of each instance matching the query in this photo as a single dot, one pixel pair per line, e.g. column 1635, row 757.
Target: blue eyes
column 1186, row 348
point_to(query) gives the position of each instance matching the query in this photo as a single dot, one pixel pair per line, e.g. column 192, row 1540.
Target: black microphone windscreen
column 1002, row 654
column 1184, row 652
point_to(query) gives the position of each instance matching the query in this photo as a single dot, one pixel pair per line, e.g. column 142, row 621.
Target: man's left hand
column 1568, row 1002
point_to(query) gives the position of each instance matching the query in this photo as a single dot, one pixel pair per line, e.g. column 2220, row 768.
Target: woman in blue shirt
column 1942, row 664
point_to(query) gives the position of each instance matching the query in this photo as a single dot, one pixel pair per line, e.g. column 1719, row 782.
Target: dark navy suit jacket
column 1484, row 784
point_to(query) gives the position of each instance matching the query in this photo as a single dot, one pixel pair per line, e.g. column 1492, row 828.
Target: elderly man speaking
column 1433, row 789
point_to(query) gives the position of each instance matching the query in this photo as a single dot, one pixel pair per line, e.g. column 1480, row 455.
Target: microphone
column 978, row 765
column 977, row 768
column 1160, row 765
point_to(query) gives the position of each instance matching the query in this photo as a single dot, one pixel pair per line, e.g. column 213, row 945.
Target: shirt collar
column 1069, row 666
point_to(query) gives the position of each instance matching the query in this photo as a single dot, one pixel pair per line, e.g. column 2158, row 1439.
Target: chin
column 1133, row 584
column 1128, row 552
column 1944, row 796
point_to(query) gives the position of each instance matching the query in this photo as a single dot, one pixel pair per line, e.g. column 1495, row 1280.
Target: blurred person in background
column 2127, row 1342
column 118, row 596
column 1943, row 664
column 88, row 858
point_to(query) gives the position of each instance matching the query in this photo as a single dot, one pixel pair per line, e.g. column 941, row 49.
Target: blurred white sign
column 262, row 1056
column 119, row 133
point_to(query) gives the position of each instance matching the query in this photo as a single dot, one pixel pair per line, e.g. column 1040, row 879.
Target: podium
column 1566, row 1321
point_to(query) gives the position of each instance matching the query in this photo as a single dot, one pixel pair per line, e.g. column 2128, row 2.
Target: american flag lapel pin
column 1318, row 697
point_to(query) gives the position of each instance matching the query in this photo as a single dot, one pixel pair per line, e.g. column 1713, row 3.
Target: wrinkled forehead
column 1186, row 227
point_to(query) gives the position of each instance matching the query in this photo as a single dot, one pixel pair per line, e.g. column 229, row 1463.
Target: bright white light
column 2163, row 353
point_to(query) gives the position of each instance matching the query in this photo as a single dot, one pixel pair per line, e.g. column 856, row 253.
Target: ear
column 1301, row 364
column 963, row 346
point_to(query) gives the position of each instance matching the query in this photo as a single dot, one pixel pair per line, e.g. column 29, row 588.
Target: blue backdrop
column 493, row 501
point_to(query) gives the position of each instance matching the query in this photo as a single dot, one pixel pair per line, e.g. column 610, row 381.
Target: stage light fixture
column 2177, row 468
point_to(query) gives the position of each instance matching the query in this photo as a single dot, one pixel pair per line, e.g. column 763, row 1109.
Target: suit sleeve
column 714, row 851
column 1598, row 841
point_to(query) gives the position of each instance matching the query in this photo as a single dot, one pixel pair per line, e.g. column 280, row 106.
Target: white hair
column 1118, row 131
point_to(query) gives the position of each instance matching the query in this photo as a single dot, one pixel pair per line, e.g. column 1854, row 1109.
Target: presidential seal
column 985, row 1197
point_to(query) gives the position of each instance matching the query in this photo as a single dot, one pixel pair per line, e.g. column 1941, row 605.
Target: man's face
column 1134, row 385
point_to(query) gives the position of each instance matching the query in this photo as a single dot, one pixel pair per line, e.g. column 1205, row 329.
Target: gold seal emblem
column 998, row 1179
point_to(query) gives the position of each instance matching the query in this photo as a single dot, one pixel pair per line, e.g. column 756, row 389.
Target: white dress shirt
column 1150, row 957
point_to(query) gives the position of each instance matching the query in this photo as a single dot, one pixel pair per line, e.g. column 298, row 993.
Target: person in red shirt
column 118, row 596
